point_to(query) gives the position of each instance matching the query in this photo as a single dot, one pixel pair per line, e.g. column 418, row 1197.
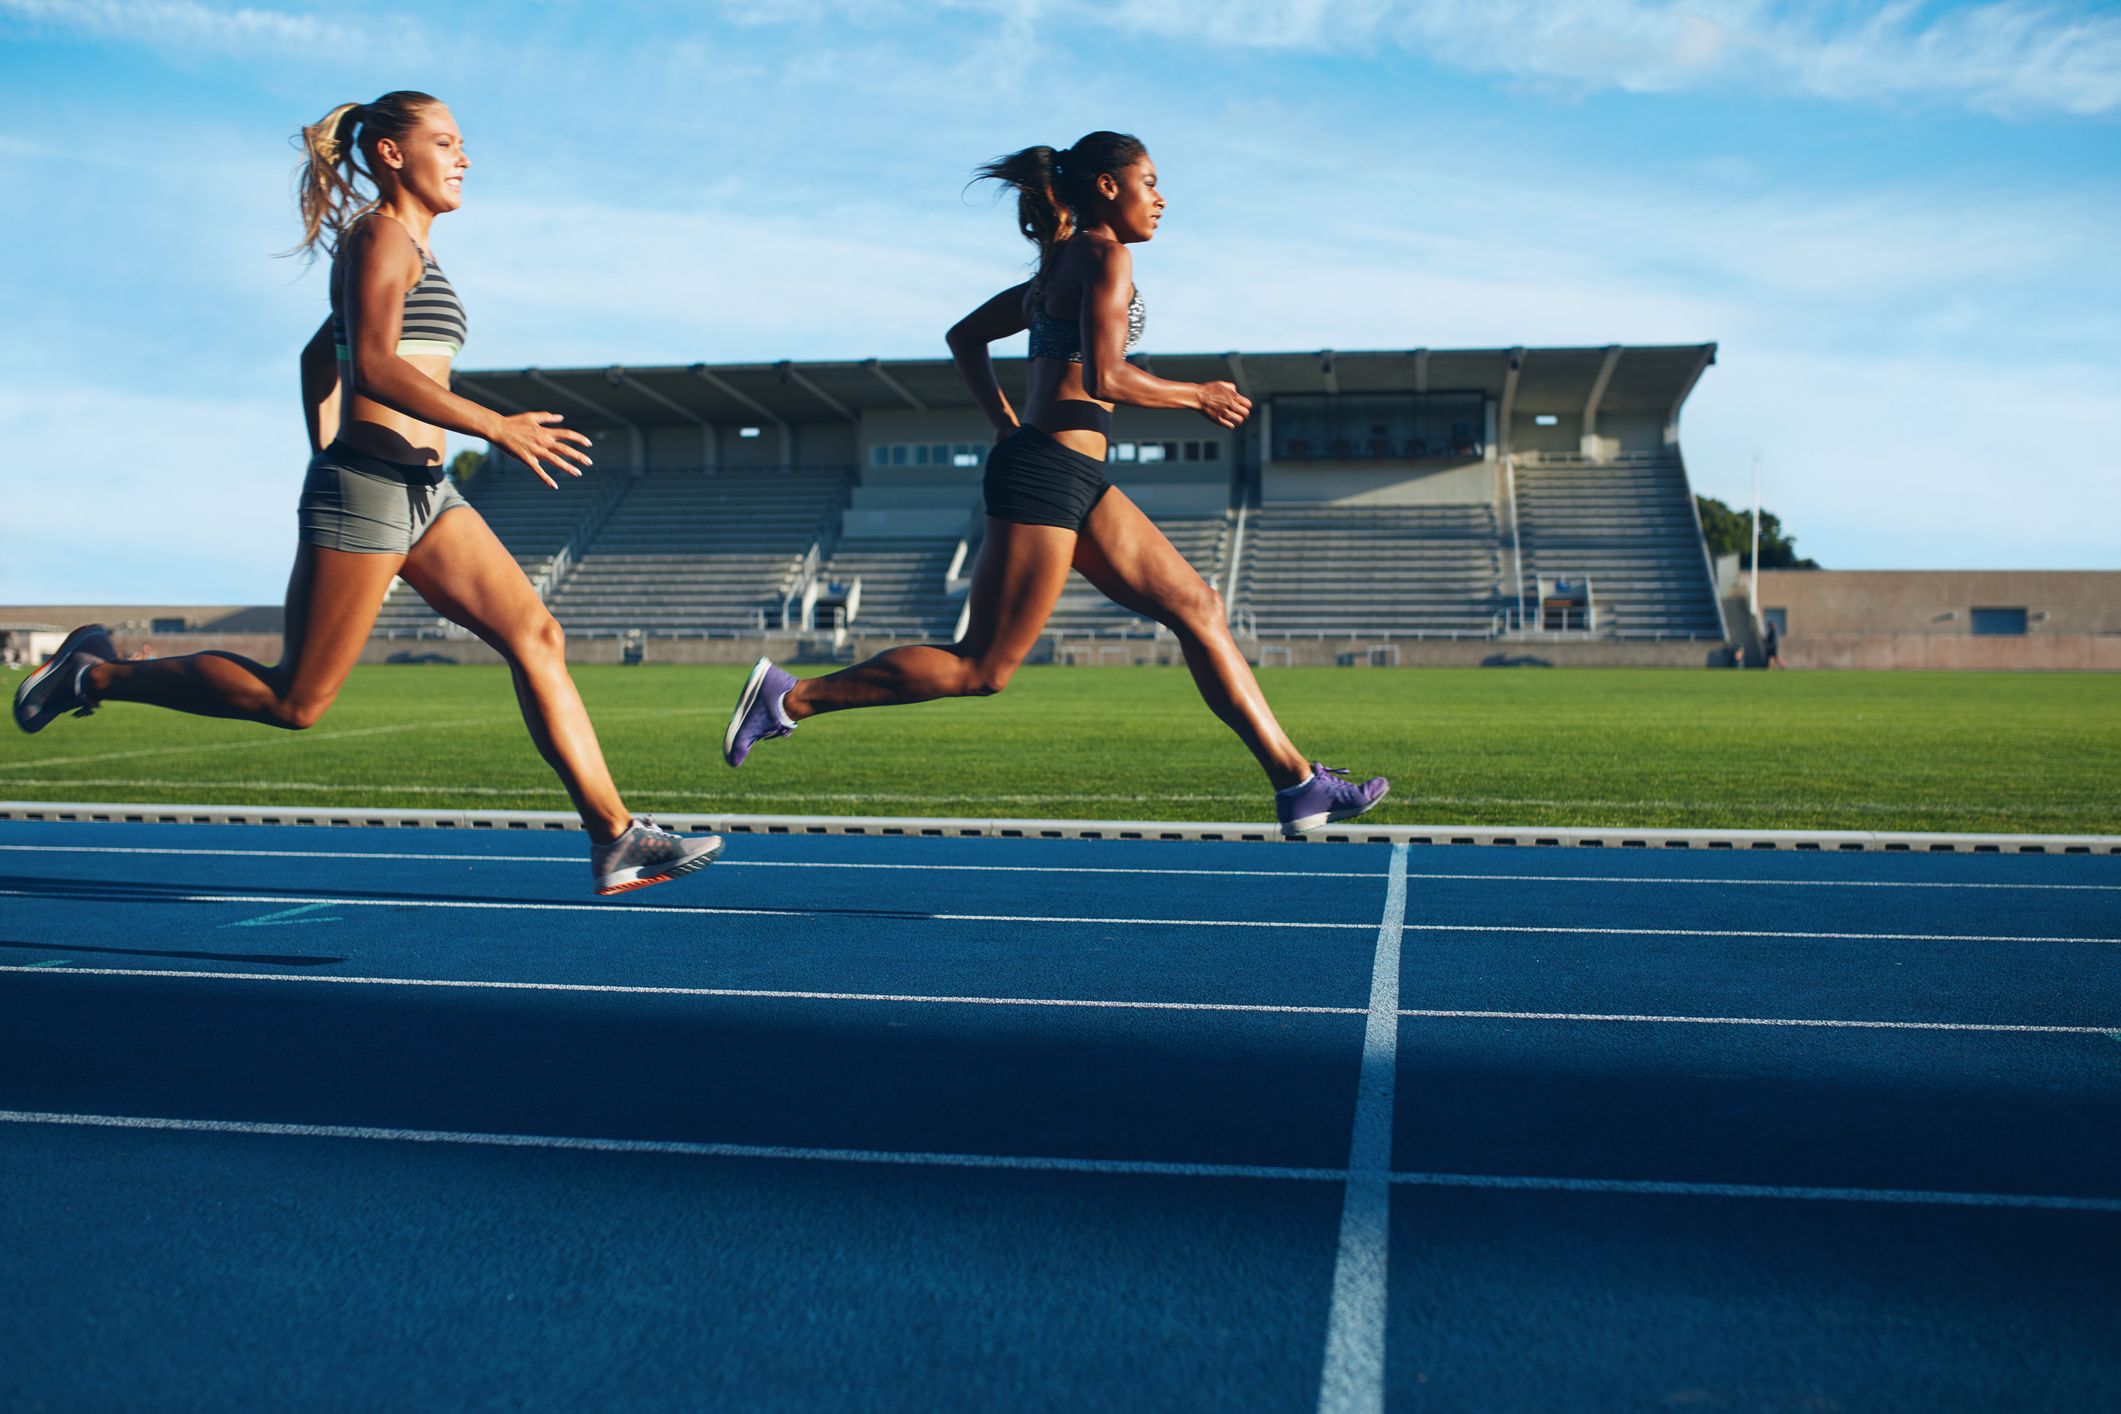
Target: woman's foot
column 1328, row 795
column 56, row 688
column 758, row 714
column 648, row 854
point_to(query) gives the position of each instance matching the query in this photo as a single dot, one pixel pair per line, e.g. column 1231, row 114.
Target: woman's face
column 429, row 164
column 1134, row 203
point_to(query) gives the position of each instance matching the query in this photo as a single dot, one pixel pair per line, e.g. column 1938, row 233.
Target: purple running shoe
column 758, row 711
column 55, row 689
column 1327, row 796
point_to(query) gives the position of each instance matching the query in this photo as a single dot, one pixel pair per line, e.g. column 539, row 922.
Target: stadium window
column 920, row 455
column 1123, row 451
column 898, row 455
column 1192, row 451
column 1150, row 452
column 939, row 455
column 1998, row 621
column 1546, row 419
column 964, row 456
column 880, row 455
column 1211, row 451
column 747, row 432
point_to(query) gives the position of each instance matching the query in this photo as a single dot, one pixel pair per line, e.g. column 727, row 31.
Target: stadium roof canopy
column 1634, row 378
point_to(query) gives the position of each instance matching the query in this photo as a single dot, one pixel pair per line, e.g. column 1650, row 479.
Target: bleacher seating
column 533, row 520
column 903, row 590
column 1627, row 526
column 1359, row 569
column 700, row 552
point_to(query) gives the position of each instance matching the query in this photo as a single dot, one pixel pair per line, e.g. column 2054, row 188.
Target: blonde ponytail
column 337, row 151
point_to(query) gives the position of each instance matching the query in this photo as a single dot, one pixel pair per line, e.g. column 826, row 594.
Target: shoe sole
column 664, row 874
column 1294, row 829
column 744, row 703
column 30, row 683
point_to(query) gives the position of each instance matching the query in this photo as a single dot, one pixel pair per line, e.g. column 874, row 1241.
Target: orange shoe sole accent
column 637, row 884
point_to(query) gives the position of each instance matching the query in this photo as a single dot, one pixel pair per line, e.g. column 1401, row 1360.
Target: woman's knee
column 986, row 676
column 541, row 639
column 299, row 714
column 1199, row 611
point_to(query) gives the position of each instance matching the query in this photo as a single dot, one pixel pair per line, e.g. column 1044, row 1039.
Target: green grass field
column 1967, row 751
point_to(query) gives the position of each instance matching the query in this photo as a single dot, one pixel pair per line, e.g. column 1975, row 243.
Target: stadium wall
column 2066, row 620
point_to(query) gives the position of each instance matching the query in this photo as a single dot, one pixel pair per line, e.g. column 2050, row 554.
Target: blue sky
column 1897, row 220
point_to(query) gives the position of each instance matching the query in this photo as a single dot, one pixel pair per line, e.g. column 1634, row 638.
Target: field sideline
column 1875, row 751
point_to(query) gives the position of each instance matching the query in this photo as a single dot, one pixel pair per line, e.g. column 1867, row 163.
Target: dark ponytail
column 1052, row 187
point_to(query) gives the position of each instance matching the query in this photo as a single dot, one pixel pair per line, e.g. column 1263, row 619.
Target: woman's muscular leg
column 1018, row 576
column 332, row 600
column 1132, row 563
column 463, row 570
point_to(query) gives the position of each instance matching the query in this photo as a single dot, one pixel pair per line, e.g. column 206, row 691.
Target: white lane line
column 1824, row 1023
column 633, row 989
column 1573, row 931
column 1154, row 1168
column 1661, row 1188
column 688, row 1148
column 50, row 969
column 1353, row 1376
column 683, row 910
column 1498, row 878
column 248, row 742
column 117, row 894
column 576, row 860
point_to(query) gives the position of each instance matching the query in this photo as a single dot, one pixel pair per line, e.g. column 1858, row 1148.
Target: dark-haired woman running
column 1049, row 507
column 376, row 504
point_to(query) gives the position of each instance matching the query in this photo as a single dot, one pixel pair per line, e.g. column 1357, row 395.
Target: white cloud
column 188, row 25
column 2006, row 56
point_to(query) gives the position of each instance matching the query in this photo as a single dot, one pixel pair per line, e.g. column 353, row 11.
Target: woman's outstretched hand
column 537, row 440
column 1221, row 403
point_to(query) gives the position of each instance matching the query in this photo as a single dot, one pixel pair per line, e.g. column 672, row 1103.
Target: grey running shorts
column 353, row 501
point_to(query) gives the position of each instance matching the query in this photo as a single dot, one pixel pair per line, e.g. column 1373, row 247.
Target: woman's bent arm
column 1108, row 290
column 320, row 387
column 969, row 338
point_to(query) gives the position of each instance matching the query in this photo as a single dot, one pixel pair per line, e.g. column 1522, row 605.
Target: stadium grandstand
column 1377, row 503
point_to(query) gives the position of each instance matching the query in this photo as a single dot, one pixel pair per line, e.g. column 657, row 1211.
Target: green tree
column 465, row 465
column 1730, row 532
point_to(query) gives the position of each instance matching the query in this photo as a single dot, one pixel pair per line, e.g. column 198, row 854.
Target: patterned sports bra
column 1055, row 337
column 433, row 322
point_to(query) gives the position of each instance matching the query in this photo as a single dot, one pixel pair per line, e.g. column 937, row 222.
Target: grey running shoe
column 758, row 711
column 55, row 689
column 1327, row 796
column 648, row 854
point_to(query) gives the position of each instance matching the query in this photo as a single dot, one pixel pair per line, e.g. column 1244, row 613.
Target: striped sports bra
column 1055, row 337
column 433, row 322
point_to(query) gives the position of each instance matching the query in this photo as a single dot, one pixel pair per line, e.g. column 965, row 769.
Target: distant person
column 1049, row 507
column 1771, row 645
column 376, row 504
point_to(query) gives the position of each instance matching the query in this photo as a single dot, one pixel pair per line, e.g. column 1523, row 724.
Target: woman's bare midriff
column 1050, row 382
column 384, row 432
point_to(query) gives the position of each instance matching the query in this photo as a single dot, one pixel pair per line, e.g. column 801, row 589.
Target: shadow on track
column 275, row 959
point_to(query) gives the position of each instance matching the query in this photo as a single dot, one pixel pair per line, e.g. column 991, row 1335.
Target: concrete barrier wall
column 2032, row 652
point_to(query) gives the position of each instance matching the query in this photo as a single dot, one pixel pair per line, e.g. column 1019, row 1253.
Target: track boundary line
column 119, row 893
column 1150, row 1168
column 1719, row 881
column 1352, row 1379
column 194, row 974
column 1354, row 832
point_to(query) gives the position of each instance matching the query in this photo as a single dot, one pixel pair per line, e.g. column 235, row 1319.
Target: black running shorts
column 1033, row 480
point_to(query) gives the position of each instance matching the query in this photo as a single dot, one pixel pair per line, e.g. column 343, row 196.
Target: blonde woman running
column 376, row 503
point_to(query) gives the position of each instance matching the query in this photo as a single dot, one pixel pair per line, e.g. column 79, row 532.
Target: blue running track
column 347, row 1118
